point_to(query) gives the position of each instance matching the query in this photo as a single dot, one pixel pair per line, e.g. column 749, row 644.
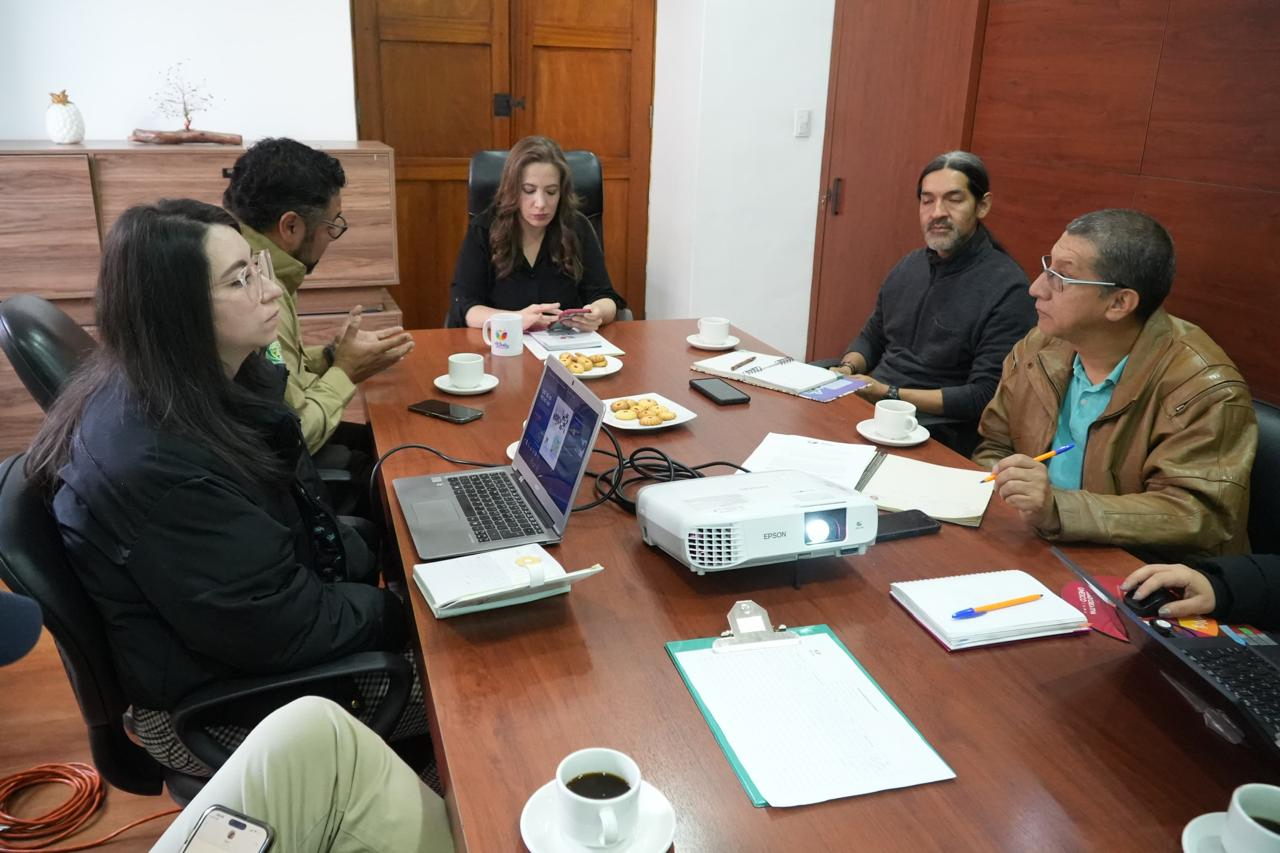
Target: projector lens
column 827, row 525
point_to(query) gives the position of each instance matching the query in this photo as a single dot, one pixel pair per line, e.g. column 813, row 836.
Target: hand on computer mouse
column 1150, row 583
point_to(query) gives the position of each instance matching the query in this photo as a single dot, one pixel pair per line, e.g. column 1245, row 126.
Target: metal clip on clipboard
column 750, row 628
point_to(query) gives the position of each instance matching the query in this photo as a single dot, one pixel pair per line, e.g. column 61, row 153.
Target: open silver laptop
column 467, row 512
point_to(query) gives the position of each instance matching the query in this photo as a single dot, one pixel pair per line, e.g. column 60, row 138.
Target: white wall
column 733, row 194
column 277, row 68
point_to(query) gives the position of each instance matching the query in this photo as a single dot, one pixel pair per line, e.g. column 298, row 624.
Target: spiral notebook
column 934, row 601
column 779, row 372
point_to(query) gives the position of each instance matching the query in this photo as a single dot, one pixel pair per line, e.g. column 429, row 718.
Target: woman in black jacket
column 1239, row 590
column 181, row 484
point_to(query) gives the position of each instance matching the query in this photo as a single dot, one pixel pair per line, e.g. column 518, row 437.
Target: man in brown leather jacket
column 1161, row 419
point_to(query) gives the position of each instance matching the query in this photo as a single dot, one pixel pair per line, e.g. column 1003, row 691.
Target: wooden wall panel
column 600, row 81
column 897, row 98
column 1216, row 112
column 1225, row 241
column 1032, row 204
column 451, row 117
column 48, row 228
column 429, row 251
column 1068, row 83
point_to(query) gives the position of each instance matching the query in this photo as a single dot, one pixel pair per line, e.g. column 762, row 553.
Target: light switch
column 804, row 121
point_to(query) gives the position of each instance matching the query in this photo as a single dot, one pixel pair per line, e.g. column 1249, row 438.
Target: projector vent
column 714, row 547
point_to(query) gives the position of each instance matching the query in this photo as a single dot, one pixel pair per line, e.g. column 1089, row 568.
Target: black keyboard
column 1255, row 683
column 494, row 507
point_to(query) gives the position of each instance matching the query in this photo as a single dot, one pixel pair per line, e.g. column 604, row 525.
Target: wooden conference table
column 1068, row 743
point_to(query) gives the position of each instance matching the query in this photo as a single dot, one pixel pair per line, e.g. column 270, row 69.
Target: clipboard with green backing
column 750, row 629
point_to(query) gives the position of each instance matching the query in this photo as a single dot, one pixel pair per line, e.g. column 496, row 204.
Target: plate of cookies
column 590, row 366
column 645, row 411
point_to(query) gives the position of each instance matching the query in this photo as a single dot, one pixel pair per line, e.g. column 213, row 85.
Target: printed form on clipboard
column 777, row 372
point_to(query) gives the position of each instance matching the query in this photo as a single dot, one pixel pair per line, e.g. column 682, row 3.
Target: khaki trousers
column 323, row 781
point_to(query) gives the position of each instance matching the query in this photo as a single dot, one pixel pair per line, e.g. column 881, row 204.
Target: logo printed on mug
column 504, row 333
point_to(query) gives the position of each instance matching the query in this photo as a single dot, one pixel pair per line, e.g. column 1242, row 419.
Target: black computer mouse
column 1150, row 605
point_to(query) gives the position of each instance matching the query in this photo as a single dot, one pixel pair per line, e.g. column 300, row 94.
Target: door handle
column 503, row 104
column 837, row 191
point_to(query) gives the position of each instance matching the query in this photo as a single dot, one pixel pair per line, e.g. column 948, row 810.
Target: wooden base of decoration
column 178, row 137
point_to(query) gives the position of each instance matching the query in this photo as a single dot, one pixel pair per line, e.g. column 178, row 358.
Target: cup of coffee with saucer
column 894, row 424
column 598, row 801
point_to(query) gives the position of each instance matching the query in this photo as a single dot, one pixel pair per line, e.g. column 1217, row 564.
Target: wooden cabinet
column 57, row 203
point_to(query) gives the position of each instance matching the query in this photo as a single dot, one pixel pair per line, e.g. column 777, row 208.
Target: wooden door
column 427, row 73
column 903, row 80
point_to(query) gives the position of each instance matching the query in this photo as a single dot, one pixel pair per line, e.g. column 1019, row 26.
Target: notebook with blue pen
column 801, row 721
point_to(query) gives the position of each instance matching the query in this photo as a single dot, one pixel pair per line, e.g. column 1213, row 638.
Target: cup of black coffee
column 597, row 796
column 1253, row 820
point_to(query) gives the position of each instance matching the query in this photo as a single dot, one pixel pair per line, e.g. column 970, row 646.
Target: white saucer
column 728, row 343
column 488, row 383
column 1204, row 834
column 867, row 429
column 511, row 450
column 654, row 833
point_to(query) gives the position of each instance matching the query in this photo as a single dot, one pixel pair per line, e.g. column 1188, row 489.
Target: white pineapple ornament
column 63, row 120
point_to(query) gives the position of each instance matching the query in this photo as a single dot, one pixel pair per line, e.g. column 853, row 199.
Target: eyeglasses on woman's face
column 252, row 276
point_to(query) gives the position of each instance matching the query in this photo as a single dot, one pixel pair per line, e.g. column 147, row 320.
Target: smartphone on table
column 901, row 525
column 447, row 411
column 221, row 830
column 719, row 392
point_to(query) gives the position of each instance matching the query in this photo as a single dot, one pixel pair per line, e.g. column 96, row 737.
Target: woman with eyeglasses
column 185, row 495
column 532, row 252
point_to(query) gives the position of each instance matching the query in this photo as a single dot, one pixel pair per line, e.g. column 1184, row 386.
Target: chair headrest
column 486, row 173
column 1264, row 482
column 43, row 344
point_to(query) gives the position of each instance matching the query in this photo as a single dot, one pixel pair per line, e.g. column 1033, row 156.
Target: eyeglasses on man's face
column 1058, row 281
column 252, row 276
column 337, row 226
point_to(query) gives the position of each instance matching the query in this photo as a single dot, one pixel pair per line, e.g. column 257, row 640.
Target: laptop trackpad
column 438, row 513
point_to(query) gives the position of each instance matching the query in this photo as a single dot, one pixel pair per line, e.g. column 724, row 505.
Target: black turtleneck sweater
column 948, row 323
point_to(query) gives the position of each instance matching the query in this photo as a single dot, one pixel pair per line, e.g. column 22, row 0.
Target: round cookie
column 650, row 420
column 620, row 405
column 666, row 414
column 625, row 414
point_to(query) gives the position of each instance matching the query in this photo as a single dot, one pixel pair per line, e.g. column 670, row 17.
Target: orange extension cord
column 87, row 794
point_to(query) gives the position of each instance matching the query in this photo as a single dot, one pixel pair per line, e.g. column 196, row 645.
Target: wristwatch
column 330, row 352
column 892, row 393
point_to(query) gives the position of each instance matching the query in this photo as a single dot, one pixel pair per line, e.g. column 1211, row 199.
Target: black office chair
column 1264, row 483
column 588, row 183
column 33, row 563
column 43, row 344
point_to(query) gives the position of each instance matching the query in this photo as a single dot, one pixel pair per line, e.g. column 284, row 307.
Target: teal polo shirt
column 1080, row 408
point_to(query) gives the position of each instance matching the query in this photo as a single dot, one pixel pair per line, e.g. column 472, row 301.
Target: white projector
column 729, row 522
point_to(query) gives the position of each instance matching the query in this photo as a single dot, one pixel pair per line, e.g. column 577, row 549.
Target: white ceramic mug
column 895, row 418
column 1242, row 833
column 713, row 330
column 466, row 369
column 504, row 333
column 592, row 822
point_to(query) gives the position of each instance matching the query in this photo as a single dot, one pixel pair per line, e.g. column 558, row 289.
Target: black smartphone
column 720, row 392
column 447, row 411
column 901, row 525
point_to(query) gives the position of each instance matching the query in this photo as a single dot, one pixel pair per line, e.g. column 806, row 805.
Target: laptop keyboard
column 494, row 507
column 1254, row 681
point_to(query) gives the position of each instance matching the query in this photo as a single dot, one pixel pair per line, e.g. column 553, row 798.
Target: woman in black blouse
column 532, row 252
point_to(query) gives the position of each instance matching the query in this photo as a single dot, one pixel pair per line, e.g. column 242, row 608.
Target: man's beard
column 945, row 241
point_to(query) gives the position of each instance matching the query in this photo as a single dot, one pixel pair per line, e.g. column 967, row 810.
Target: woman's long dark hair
column 155, row 318
column 504, row 233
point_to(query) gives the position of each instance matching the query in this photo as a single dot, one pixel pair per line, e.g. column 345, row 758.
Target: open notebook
column 934, row 601
column 494, row 579
column 779, row 372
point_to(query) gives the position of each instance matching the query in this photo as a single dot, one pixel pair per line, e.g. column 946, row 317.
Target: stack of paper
column 935, row 602
column 539, row 343
column 494, row 579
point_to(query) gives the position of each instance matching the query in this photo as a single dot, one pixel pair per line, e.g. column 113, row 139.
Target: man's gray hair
column 1134, row 251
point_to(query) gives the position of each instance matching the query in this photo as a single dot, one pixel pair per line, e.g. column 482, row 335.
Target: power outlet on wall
column 804, row 122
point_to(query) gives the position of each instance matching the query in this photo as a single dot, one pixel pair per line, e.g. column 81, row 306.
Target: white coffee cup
column 1242, row 833
column 504, row 333
column 895, row 418
column 596, row 822
column 466, row 369
column 713, row 330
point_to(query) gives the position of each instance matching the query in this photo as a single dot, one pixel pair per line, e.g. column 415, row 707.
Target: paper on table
column 807, row 724
column 836, row 461
column 604, row 347
column 489, row 571
column 941, row 492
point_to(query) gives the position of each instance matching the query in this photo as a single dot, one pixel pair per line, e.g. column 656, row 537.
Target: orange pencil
column 970, row 612
column 1041, row 458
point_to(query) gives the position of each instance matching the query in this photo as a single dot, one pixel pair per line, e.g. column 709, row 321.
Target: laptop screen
column 556, row 444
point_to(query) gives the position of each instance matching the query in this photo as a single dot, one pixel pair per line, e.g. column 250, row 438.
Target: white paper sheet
column 808, row 725
column 491, row 571
column 539, row 352
column 948, row 494
column 836, row 461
